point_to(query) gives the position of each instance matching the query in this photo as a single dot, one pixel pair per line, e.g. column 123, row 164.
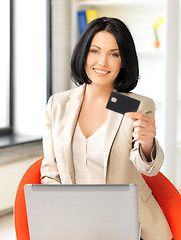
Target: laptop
column 82, row 212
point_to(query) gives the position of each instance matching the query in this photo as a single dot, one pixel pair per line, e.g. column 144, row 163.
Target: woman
column 84, row 142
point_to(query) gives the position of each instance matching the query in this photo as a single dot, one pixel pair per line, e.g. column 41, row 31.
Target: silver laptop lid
column 82, row 212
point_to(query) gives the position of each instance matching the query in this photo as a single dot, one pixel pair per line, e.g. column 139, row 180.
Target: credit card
column 120, row 103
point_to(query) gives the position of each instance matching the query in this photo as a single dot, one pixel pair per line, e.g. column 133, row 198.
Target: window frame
column 9, row 130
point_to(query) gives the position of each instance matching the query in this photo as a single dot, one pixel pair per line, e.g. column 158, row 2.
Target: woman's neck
column 98, row 92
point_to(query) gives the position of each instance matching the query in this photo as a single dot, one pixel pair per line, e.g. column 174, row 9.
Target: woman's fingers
column 144, row 128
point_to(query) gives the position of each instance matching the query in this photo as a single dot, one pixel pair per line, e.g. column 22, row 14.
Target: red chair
column 169, row 200
column 31, row 176
column 163, row 190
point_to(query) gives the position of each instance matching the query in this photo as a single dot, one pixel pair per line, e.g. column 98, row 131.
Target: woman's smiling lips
column 101, row 71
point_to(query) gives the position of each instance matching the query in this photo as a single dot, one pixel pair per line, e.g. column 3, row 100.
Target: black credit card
column 120, row 103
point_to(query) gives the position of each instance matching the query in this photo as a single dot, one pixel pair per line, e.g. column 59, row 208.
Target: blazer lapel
column 114, row 122
column 71, row 115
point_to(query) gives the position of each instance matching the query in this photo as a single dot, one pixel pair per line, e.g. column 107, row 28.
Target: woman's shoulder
column 65, row 95
column 140, row 97
column 146, row 103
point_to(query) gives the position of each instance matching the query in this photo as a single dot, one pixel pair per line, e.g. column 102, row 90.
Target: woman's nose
column 103, row 61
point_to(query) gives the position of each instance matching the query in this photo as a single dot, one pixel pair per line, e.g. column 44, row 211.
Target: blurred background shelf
column 114, row 2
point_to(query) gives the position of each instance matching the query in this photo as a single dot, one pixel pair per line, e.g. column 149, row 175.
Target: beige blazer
column 124, row 162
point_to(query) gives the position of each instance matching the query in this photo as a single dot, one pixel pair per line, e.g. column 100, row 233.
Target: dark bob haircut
column 128, row 76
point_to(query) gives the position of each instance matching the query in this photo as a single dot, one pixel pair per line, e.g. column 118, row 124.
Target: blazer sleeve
column 147, row 106
column 49, row 170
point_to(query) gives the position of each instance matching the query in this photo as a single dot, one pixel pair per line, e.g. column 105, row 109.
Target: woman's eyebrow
column 116, row 49
column 95, row 46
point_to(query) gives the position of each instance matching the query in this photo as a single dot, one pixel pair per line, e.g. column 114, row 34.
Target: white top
column 88, row 156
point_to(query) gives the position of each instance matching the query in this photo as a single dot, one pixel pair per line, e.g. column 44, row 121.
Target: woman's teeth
column 99, row 71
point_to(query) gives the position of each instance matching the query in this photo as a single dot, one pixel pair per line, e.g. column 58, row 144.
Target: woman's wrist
column 147, row 150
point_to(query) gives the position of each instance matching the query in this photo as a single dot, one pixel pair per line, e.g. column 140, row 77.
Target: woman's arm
column 146, row 154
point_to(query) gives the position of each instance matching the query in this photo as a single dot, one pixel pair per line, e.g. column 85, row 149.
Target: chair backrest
column 31, row 176
column 163, row 190
column 169, row 200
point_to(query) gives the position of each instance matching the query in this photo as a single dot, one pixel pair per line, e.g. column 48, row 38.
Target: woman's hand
column 144, row 131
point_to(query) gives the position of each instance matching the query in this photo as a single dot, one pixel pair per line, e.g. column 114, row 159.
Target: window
column 31, row 60
column 5, row 66
column 31, row 65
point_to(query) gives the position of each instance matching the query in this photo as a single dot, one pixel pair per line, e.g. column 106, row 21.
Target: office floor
column 7, row 231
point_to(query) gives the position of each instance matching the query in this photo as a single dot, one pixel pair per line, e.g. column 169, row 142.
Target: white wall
column 10, row 175
column 171, row 92
column 61, row 21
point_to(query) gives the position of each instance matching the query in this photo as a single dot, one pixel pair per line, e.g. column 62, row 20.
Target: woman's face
column 103, row 60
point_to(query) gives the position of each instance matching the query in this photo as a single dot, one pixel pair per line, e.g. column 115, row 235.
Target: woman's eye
column 94, row 51
column 114, row 55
